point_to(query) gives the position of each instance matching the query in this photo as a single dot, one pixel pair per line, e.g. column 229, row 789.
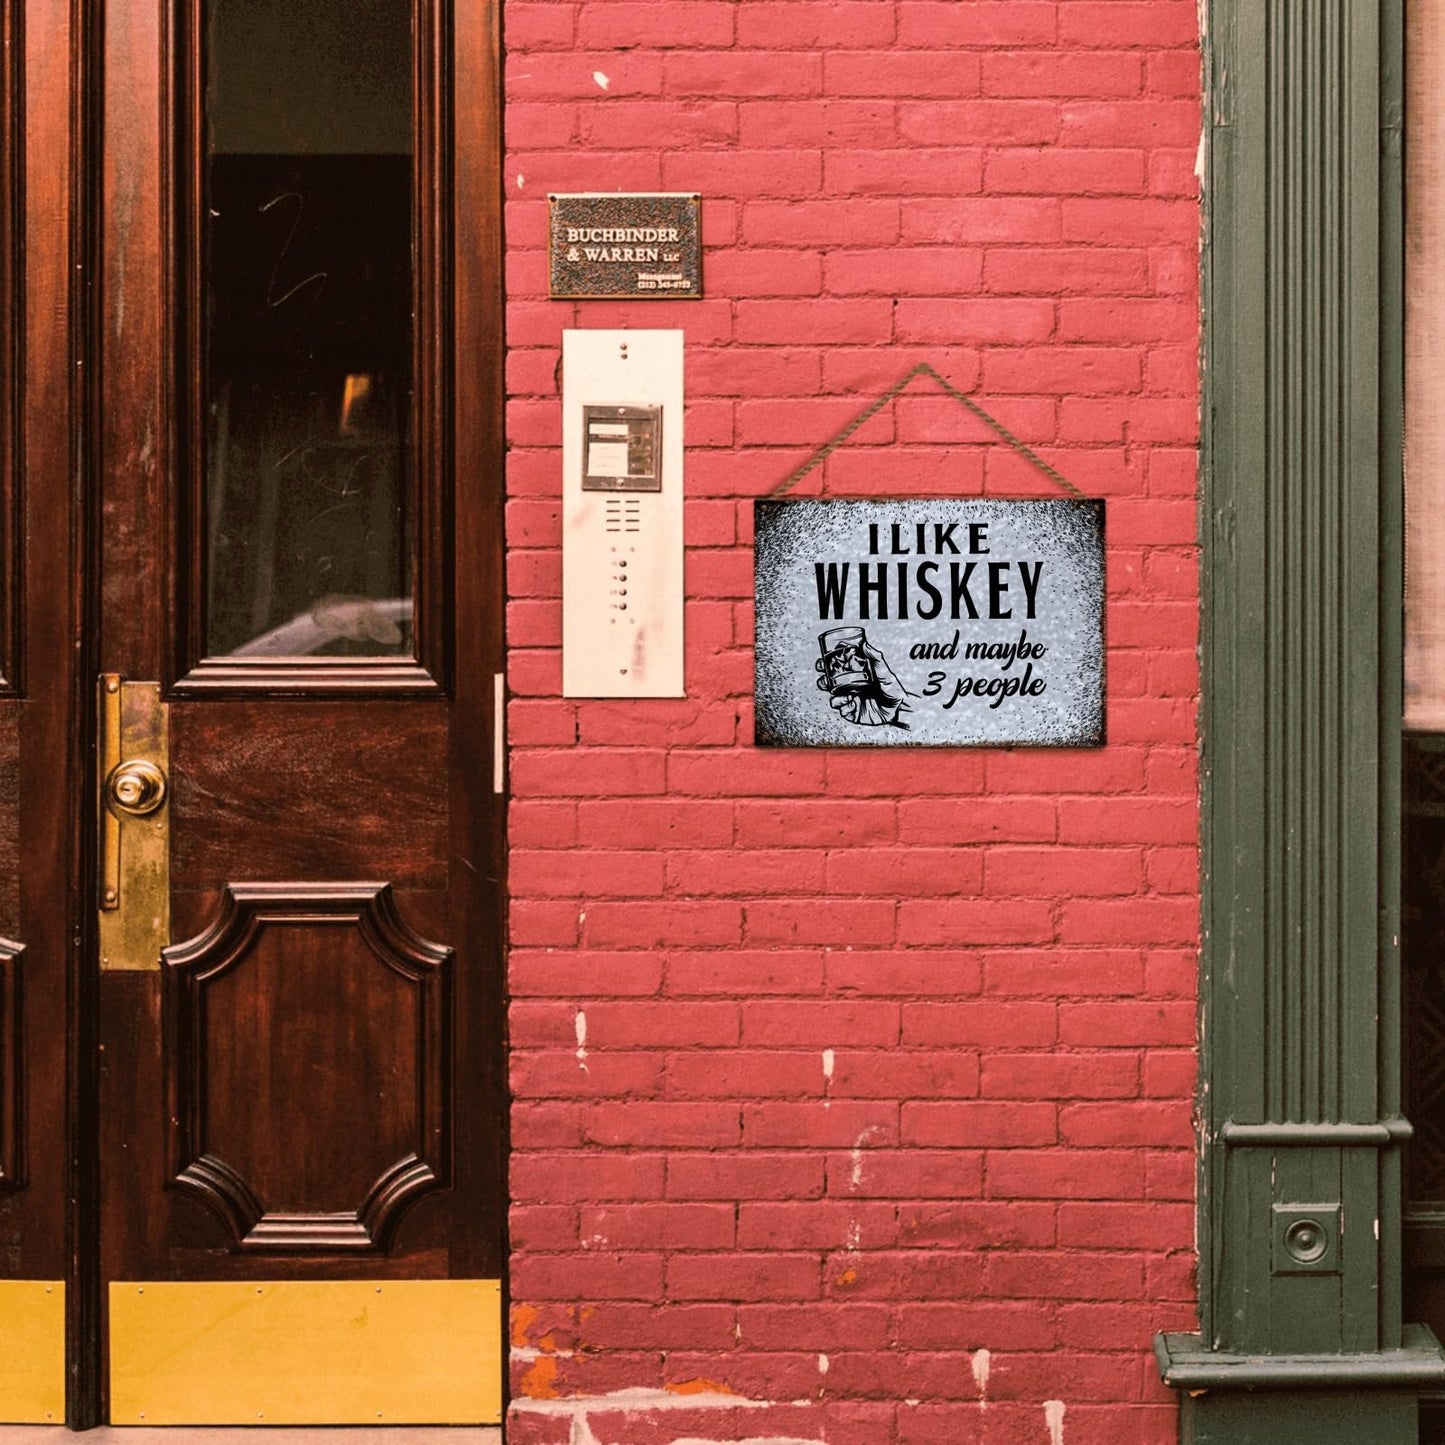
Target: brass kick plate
column 32, row 1362
column 306, row 1352
column 134, row 819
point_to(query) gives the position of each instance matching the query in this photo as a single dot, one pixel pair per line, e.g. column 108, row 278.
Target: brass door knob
column 136, row 788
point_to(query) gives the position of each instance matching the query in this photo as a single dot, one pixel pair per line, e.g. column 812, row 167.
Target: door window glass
column 307, row 301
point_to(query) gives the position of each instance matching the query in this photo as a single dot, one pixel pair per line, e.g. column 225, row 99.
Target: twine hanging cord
column 872, row 410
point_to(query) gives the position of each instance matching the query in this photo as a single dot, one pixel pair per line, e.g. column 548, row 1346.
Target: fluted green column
column 1300, row 1182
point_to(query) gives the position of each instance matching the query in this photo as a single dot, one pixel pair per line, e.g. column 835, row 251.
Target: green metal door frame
column 1301, row 1337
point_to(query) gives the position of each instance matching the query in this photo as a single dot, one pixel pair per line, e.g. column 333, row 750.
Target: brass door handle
column 136, row 788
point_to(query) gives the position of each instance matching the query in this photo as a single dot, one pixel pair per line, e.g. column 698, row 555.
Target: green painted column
column 1300, row 1182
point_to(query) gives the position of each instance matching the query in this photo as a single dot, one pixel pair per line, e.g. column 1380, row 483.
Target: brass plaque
column 605, row 245
column 306, row 1352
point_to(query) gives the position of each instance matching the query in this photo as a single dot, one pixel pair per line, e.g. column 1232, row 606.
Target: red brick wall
column 852, row 1089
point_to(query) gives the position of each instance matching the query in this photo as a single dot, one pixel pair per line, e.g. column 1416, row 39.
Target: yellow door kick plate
column 32, row 1359
column 304, row 1352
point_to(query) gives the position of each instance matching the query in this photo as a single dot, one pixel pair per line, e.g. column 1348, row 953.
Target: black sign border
column 764, row 738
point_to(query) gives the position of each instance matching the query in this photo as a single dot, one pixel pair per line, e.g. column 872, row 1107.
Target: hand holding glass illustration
column 861, row 686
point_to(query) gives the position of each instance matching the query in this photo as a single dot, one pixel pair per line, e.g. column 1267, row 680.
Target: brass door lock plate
column 1307, row 1239
column 134, row 824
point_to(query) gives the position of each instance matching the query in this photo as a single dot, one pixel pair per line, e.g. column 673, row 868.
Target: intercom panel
column 622, row 584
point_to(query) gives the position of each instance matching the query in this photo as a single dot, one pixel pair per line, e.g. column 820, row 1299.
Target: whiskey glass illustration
column 862, row 688
column 846, row 666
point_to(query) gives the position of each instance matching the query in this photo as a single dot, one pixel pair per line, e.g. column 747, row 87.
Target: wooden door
column 45, row 1184
column 258, row 866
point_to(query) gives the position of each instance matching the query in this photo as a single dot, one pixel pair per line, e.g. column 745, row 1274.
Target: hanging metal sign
column 943, row 623
column 608, row 245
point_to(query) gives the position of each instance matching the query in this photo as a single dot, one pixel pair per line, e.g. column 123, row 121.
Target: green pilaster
column 1301, row 1336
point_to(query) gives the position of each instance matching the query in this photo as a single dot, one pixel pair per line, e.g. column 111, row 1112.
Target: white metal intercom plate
column 622, row 514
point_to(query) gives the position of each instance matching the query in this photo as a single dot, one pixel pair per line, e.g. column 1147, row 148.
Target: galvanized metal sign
column 608, row 245
column 939, row 623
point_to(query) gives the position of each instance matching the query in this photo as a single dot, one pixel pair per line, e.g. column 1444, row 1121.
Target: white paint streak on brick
column 828, row 1066
column 822, row 1364
column 581, row 1432
column 1054, row 1419
column 601, row 79
column 753, row 1440
column 639, row 1398
column 581, row 1025
column 980, row 1363
column 856, row 1154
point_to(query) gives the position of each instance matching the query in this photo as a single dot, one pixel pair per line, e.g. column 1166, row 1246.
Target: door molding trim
column 250, row 914
column 430, row 473
column 12, row 1070
column 12, row 348
column 1300, row 518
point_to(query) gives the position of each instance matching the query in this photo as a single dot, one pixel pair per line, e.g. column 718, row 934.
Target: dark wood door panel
column 12, row 1014
column 40, row 775
column 155, row 1229
column 309, row 1066
column 45, row 1083
column 10, row 713
column 134, row 434
column 309, row 789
